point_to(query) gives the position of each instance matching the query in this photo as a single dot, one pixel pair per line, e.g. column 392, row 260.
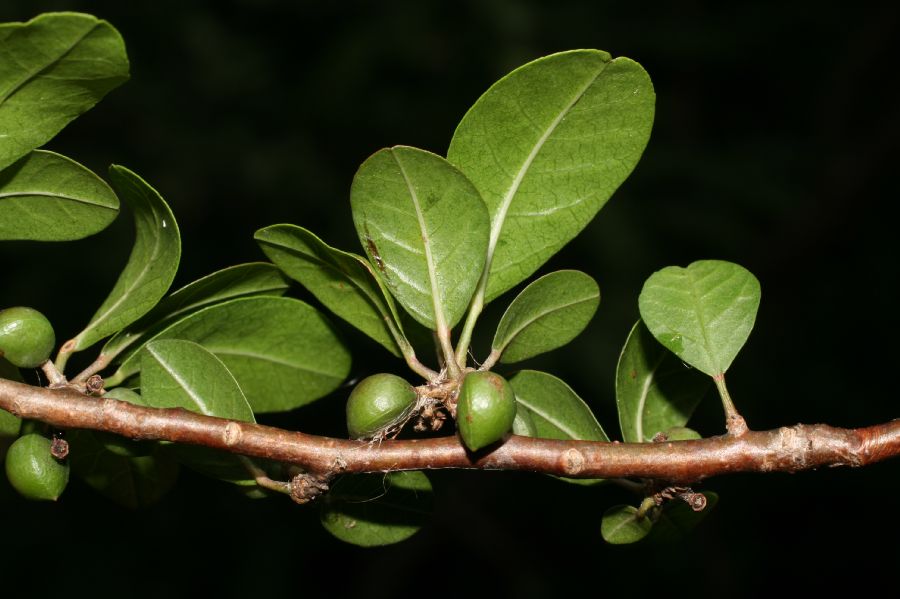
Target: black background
column 773, row 146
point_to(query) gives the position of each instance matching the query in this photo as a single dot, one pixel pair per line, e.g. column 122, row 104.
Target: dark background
column 773, row 147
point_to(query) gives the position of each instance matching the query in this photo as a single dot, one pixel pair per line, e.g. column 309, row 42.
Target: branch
column 787, row 449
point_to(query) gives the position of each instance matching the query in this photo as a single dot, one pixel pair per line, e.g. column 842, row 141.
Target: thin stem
column 734, row 422
column 409, row 354
column 262, row 479
column 786, row 449
column 475, row 308
column 54, row 376
column 443, row 336
column 96, row 366
column 492, row 359
column 114, row 380
column 62, row 357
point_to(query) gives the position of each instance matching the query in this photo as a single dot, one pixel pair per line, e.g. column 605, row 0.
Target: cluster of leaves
column 530, row 164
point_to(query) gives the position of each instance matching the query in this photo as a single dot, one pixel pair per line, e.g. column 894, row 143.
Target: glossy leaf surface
column 546, row 146
column 424, row 227
column 547, row 314
column 48, row 197
column 703, row 313
column 655, row 391
column 377, row 509
column 621, row 525
column 243, row 280
column 342, row 281
column 282, row 351
column 555, row 409
column 52, row 69
column 182, row 374
column 151, row 266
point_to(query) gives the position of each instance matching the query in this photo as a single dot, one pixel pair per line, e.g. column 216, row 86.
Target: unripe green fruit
column 485, row 410
column 26, row 337
column 33, row 471
column 377, row 402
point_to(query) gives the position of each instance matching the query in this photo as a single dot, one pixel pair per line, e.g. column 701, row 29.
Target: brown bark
column 787, row 449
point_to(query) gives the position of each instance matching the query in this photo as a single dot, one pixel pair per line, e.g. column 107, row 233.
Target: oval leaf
column 655, row 391
column 48, row 197
column 703, row 313
column 425, row 228
column 547, row 146
column 556, row 410
column 243, row 280
column 151, row 265
column 547, row 314
column 181, row 374
column 343, row 282
column 282, row 352
column 52, row 69
column 621, row 525
column 370, row 510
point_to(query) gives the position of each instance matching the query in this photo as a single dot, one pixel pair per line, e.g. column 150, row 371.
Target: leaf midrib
column 47, row 194
column 556, row 308
column 30, row 76
column 440, row 319
column 181, row 382
column 136, row 281
column 497, row 224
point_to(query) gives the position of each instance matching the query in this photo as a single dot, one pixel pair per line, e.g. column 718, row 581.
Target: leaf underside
column 703, row 313
column 655, row 390
column 546, row 146
column 425, row 229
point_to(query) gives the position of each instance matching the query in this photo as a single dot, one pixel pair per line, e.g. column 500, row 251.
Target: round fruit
column 32, row 471
column 26, row 337
column 485, row 410
column 376, row 403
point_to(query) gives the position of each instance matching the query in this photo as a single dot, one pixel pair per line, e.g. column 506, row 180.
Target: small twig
column 787, row 449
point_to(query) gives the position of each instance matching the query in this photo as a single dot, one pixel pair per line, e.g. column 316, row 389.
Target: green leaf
column 151, row 265
column 52, row 69
column 677, row 519
column 425, row 228
column 182, row 374
column 377, row 509
column 134, row 482
column 547, row 314
column 48, row 197
column 655, row 391
column 703, row 313
column 546, row 146
column 243, row 280
column 283, row 352
column 556, row 410
column 621, row 525
column 343, row 282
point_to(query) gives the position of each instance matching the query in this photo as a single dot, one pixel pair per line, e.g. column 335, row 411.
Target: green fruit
column 485, row 410
column 26, row 337
column 376, row 403
column 33, row 471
